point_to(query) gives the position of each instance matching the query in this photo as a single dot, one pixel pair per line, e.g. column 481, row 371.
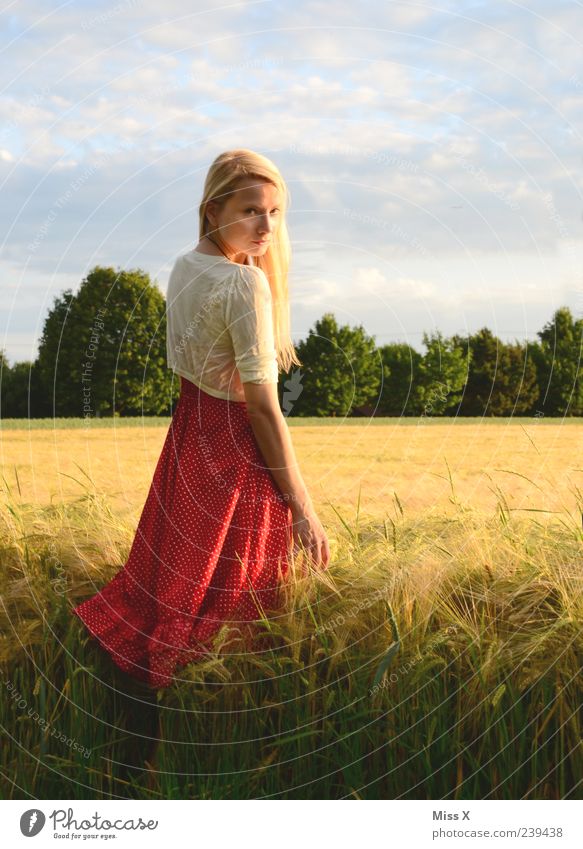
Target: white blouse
column 219, row 324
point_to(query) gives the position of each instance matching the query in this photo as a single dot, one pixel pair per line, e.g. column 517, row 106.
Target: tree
column 400, row 390
column 22, row 394
column 49, row 350
column 521, row 382
column 4, row 383
column 501, row 379
column 558, row 362
column 104, row 349
column 442, row 374
column 340, row 371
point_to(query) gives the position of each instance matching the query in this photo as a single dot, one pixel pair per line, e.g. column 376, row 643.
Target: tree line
column 102, row 352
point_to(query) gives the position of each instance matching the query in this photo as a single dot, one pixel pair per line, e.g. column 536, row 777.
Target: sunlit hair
column 221, row 181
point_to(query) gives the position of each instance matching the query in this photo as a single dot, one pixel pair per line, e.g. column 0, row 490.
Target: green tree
column 340, row 371
column 49, row 352
column 104, row 349
column 400, row 389
column 502, row 377
column 559, row 367
column 4, row 384
column 521, row 380
column 22, row 393
column 443, row 372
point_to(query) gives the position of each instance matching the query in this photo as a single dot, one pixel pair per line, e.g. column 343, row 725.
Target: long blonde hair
column 222, row 178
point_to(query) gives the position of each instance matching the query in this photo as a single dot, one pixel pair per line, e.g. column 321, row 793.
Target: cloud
column 431, row 153
column 318, row 291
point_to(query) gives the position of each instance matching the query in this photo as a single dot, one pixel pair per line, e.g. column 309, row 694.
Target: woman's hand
column 309, row 535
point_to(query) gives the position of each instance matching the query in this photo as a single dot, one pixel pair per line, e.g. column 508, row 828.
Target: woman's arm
column 274, row 440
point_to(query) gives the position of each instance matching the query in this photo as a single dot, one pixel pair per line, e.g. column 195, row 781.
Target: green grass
column 470, row 625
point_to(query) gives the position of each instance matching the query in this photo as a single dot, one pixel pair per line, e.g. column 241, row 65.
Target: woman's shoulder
column 249, row 279
column 211, row 262
column 203, row 263
column 248, row 286
column 251, row 276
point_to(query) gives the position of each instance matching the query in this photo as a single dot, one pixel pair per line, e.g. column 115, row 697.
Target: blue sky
column 433, row 152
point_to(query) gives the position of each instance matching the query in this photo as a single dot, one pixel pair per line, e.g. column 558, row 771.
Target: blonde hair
column 221, row 181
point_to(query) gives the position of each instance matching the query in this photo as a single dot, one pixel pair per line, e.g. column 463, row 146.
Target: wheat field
column 427, row 462
column 438, row 657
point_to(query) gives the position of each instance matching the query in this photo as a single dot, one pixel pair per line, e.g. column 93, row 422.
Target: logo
column 293, row 390
column 31, row 822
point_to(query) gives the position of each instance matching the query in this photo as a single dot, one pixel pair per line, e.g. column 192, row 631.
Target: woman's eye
column 253, row 210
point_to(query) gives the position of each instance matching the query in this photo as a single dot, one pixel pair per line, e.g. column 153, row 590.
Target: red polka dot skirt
column 212, row 545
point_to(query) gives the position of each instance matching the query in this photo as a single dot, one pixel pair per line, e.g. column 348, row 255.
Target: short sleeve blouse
column 219, row 324
column 249, row 322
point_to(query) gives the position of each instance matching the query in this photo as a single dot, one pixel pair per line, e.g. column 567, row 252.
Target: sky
column 433, row 153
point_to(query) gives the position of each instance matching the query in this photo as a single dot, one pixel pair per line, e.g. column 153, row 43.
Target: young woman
column 227, row 502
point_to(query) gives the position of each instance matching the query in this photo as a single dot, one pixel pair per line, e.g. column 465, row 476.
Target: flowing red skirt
column 212, row 545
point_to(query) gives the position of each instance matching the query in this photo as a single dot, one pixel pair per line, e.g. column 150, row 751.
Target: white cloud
column 441, row 129
column 317, row 291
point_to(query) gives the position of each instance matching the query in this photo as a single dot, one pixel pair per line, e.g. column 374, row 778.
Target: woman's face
column 248, row 220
